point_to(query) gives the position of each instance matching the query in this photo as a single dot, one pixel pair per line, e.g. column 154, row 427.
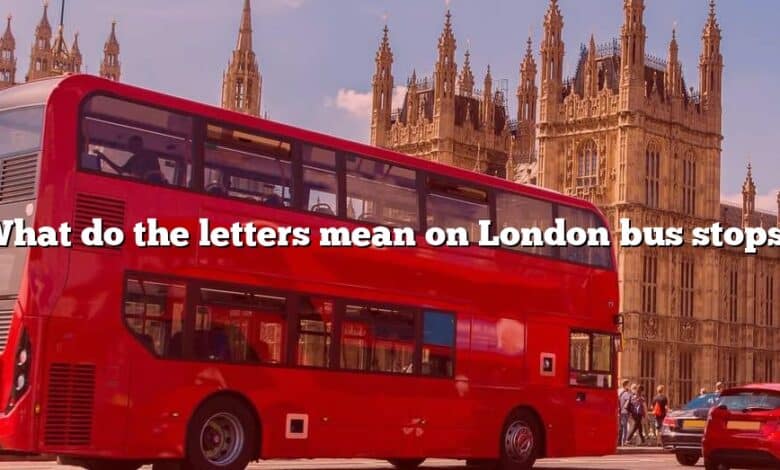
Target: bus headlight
column 21, row 370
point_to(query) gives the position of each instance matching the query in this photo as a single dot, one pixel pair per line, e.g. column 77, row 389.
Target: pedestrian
column 702, row 391
column 660, row 408
column 624, row 397
column 638, row 411
column 718, row 388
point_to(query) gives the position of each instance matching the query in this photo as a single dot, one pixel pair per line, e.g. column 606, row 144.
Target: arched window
column 587, row 165
column 652, row 175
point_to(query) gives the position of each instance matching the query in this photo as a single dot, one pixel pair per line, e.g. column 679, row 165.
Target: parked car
column 683, row 429
column 743, row 430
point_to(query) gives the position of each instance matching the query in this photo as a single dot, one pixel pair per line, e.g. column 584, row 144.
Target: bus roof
column 37, row 92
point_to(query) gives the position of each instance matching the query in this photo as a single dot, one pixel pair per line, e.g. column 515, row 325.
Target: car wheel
column 406, row 464
column 687, row 459
column 222, row 434
column 521, row 441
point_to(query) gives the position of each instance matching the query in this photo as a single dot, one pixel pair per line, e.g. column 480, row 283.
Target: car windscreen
column 702, row 401
column 20, row 130
column 751, row 400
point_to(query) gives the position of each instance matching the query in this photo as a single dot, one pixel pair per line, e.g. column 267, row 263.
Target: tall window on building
column 587, row 165
column 649, row 283
column 732, row 299
column 647, row 369
column 769, row 300
column 686, row 288
column 689, row 185
column 684, row 377
column 769, row 370
column 731, row 369
column 652, row 175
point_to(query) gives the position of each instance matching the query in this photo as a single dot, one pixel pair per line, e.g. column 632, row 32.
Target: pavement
column 616, row 462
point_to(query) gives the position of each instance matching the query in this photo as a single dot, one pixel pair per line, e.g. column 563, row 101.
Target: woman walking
column 638, row 411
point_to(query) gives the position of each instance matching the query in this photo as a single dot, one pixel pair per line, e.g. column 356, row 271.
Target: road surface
column 617, row 462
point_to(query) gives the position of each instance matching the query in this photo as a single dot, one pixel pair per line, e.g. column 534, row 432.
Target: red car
column 743, row 430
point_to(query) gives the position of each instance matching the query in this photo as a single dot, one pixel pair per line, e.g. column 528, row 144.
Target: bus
column 209, row 357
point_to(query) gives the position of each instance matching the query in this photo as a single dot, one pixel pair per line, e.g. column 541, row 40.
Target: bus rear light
column 21, row 380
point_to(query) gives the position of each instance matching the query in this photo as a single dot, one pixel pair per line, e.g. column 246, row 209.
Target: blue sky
column 316, row 56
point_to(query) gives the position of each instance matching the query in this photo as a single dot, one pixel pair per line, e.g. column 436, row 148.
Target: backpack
column 657, row 410
column 638, row 408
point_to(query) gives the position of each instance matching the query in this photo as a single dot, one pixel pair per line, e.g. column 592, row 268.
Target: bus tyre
column 520, row 441
column 406, row 464
column 687, row 459
column 222, row 434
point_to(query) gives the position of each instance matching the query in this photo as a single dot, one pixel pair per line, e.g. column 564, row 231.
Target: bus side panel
column 86, row 383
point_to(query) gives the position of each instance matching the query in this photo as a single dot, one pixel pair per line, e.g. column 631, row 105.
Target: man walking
column 624, row 398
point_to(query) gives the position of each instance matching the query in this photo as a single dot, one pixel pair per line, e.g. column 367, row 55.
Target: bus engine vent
column 6, row 314
column 88, row 207
column 17, row 178
column 69, row 408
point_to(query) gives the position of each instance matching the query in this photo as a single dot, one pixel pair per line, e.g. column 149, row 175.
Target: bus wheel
column 520, row 441
column 406, row 464
column 222, row 434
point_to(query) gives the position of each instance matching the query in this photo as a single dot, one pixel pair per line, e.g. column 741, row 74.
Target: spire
column 245, row 31
column 591, row 73
column 552, row 51
column 711, row 61
column 242, row 83
column 445, row 73
column 527, row 94
column 41, row 52
column 466, row 80
column 61, row 54
column 7, row 57
column 488, row 104
column 110, row 67
column 382, row 91
column 43, row 30
column 778, row 208
column 748, row 197
column 674, row 86
column 75, row 55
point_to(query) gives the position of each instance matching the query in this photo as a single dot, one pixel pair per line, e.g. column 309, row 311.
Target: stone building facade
column 50, row 55
column 629, row 133
column 445, row 119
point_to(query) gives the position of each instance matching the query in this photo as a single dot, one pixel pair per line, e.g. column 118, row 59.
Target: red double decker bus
column 204, row 356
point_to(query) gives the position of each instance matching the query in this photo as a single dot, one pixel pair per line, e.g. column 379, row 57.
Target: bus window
column 247, row 166
column 438, row 351
column 315, row 325
column 591, row 361
column 599, row 256
column 378, row 339
column 153, row 312
column 136, row 141
column 320, row 184
column 381, row 193
column 514, row 210
column 239, row 326
column 454, row 205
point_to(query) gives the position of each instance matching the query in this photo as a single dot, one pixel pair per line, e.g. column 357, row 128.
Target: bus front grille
column 6, row 314
column 70, row 404
column 17, row 178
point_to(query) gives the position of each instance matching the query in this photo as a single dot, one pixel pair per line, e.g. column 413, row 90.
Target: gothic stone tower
column 110, row 67
column 7, row 57
column 242, row 84
column 625, row 133
column 443, row 119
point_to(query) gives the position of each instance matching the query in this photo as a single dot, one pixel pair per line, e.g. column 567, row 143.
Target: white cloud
column 764, row 202
column 358, row 104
